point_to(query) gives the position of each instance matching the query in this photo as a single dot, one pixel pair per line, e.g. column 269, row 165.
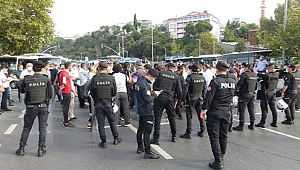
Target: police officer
column 103, row 89
column 232, row 74
column 193, row 92
column 289, row 93
column 245, row 88
column 145, row 100
column 38, row 92
column 216, row 106
column 168, row 83
column 267, row 95
column 179, row 72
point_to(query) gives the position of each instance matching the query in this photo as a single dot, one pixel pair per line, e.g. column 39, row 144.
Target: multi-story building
column 171, row 26
column 194, row 17
column 144, row 23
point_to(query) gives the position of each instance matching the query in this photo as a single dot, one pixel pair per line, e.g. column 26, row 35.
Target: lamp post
column 199, row 46
column 152, row 41
column 284, row 27
column 165, row 51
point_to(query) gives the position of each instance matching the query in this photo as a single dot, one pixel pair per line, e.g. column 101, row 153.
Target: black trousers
column 265, row 100
column 193, row 106
column 160, row 104
column 4, row 98
column 178, row 110
column 104, row 109
column 145, row 127
column 217, row 124
column 80, row 96
column 66, row 106
column 31, row 113
column 246, row 100
column 290, row 99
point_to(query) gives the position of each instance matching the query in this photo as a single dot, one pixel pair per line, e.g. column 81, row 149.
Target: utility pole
column 284, row 27
column 199, row 46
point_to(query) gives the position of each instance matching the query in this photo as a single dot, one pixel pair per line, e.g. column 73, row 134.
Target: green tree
column 203, row 26
column 208, row 42
column 240, row 46
column 25, row 26
column 229, row 35
column 135, row 22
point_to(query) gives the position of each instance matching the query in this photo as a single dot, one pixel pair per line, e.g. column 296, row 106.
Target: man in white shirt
column 5, row 83
column 27, row 72
column 83, row 77
column 208, row 74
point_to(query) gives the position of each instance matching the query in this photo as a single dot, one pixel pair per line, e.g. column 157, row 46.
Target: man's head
column 246, row 66
column 222, row 67
column 194, row 68
column 262, row 58
column 117, row 68
column 103, row 67
column 171, row 66
column 270, row 67
column 68, row 65
column 29, row 66
column 152, row 74
column 4, row 68
column 38, row 66
column 20, row 67
column 147, row 67
column 292, row 68
column 180, row 69
column 83, row 66
column 139, row 65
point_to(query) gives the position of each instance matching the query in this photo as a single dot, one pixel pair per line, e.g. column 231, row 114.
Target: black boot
column 217, row 164
column 103, row 144
column 140, row 148
column 230, row 127
column 186, row 136
column 240, row 127
column 117, row 140
column 200, row 133
column 21, row 151
column 154, row 141
column 151, row 155
column 41, row 151
column 251, row 126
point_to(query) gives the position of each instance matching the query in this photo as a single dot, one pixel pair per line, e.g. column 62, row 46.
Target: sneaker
column 200, row 133
column 140, row 150
column 287, row 122
column 154, row 141
column 185, row 136
column 119, row 125
column 41, row 151
column 117, row 141
column 69, row 125
column 174, row 139
column 238, row 128
column 89, row 126
column 103, row 144
column 127, row 124
column 273, row 124
column 7, row 109
column 260, row 125
column 90, row 114
column 73, row 118
column 122, row 119
column 151, row 155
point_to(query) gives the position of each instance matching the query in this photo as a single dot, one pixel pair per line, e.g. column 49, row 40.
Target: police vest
column 104, row 86
column 250, row 82
column 272, row 81
column 295, row 81
column 166, row 81
column 36, row 89
column 196, row 85
column 232, row 75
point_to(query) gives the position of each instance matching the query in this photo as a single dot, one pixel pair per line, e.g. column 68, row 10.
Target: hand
column 282, row 95
column 182, row 103
column 75, row 94
column 157, row 93
column 202, row 114
column 62, row 87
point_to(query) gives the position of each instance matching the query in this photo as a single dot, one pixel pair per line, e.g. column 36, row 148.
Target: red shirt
column 68, row 86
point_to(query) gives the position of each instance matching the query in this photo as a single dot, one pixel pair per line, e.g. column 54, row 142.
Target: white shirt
column 91, row 75
column 26, row 73
column 83, row 76
column 208, row 75
column 120, row 82
column 74, row 74
column 3, row 77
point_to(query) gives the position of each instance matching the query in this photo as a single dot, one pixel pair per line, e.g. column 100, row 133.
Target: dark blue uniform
column 145, row 107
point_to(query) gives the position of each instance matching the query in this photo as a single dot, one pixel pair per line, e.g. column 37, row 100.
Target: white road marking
column 155, row 147
column 258, row 113
column 164, row 123
column 10, row 129
column 21, row 116
column 274, row 131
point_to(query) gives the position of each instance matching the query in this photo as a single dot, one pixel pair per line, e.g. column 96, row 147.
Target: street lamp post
column 199, row 46
column 284, row 27
column 152, row 40
column 165, row 51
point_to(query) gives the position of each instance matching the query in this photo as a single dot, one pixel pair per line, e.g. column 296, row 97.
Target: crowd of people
column 202, row 89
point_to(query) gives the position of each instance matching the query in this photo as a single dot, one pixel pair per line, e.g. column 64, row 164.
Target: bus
column 13, row 61
column 248, row 56
column 207, row 59
column 130, row 60
column 52, row 59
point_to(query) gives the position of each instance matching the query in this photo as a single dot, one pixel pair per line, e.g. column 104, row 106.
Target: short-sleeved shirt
column 261, row 65
column 121, row 82
column 26, row 73
column 68, row 85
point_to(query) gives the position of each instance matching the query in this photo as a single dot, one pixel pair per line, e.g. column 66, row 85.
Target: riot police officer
column 289, row 93
column 267, row 95
column 216, row 106
column 193, row 92
column 245, row 88
column 145, row 100
column 232, row 74
column 168, row 83
column 38, row 92
column 103, row 89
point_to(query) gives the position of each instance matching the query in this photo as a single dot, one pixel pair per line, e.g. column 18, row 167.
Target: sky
column 77, row 17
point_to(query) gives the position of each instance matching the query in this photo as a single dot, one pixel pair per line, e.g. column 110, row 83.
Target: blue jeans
column 4, row 99
column 9, row 98
column 136, row 106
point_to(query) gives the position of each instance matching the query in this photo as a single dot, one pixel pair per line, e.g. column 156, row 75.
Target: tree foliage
column 25, row 26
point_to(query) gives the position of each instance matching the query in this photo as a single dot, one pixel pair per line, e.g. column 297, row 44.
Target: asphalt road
column 77, row 148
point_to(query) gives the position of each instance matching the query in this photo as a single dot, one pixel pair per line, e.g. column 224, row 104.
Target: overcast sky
column 72, row 17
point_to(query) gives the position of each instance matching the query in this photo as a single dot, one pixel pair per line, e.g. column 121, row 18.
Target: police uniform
column 145, row 100
column 232, row 74
column 38, row 92
column 292, row 81
column 193, row 92
column 168, row 83
column 267, row 96
column 247, row 86
column 103, row 88
column 217, row 102
column 178, row 106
